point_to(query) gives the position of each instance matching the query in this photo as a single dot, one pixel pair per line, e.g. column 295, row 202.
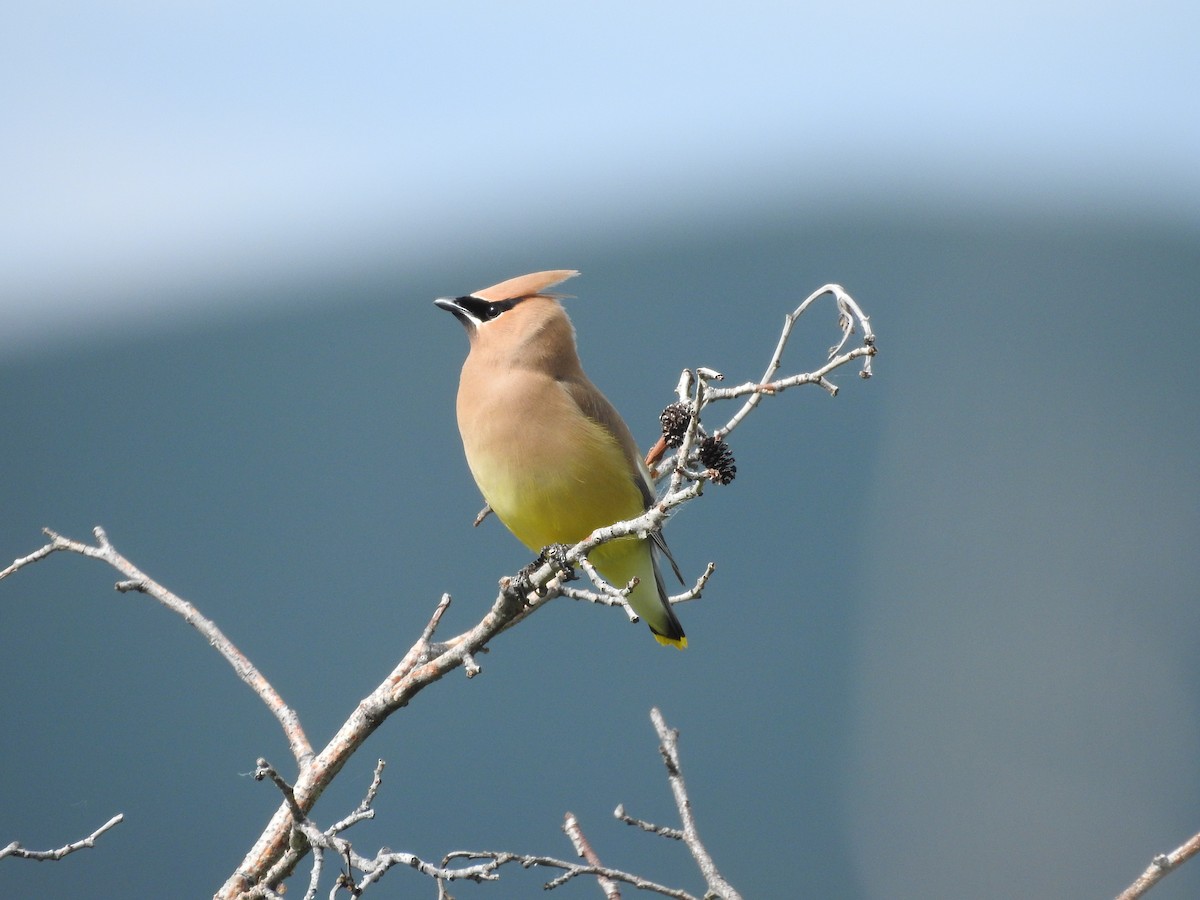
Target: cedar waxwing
column 551, row 456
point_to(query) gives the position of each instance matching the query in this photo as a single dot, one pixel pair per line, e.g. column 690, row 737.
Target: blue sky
column 156, row 145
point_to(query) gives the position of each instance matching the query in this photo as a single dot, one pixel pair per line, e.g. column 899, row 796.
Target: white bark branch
column 15, row 849
column 718, row 887
column 1161, row 866
column 486, row 865
column 137, row 580
column 583, row 848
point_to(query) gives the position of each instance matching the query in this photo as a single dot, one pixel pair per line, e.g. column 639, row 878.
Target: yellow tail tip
column 680, row 642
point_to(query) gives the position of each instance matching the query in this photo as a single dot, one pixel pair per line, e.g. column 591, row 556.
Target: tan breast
column 560, row 475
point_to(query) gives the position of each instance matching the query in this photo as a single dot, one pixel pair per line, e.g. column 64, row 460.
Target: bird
column 552, row 457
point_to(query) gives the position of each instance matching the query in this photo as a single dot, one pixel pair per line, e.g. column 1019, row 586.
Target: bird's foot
column 521, row 585
column 556, row 555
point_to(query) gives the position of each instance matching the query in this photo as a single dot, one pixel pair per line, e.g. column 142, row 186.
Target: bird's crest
column 525, row 285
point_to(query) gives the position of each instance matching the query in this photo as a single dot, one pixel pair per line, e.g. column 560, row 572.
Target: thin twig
column 583, row 847
column 694, row 591
column 39, row 554
column 585, row 596
column 570, row 871
column 435, row 619
column 607, row 592
column 15, row 848
column 661, row 830
column 849, row 313
column 137, row 580
column 718, row 887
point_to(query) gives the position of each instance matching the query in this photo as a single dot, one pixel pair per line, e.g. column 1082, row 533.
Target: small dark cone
column 716, row 455
column 674, row 421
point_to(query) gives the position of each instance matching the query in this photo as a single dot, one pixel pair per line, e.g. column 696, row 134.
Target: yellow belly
column 558, row 493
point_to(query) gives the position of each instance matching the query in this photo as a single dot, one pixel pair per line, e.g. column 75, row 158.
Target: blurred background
column 950, row 647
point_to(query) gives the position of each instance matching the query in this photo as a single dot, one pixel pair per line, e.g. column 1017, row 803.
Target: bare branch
column 661, row 830
column 585, row 596
column 613, row 597
column 15, row 849
column 56, row 544
column 274, row 857
column 330, row 841
column 580, row 842
column 573, row 871
column 693, row 593
column 849, row 313
column 570, row 871
column 364, row 810
column 717, row 885
column 1160, row 867
column 485, row 865
column 435, row 620
column 607, row 594
column 137, row 580
column 264, row 769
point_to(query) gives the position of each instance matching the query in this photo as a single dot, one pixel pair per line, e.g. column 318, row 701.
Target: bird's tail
column 623, row 559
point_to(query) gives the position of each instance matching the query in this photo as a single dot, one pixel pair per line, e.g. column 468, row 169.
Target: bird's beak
column 451, row 305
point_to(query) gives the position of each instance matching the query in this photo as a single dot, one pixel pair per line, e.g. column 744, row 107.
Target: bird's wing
column 595, row 406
